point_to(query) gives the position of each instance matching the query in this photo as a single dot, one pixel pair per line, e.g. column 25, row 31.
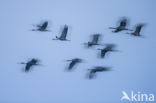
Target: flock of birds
column 95, row 41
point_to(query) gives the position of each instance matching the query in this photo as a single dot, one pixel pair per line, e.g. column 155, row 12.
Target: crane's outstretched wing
column 91, row 74
column 27, row 67
column 123, row 22
column 138, row 28
column 44, row 25
column 64, row 32
column 71, row 65
column 95, row 38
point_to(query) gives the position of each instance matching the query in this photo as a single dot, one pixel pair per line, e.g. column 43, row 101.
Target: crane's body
column 42, row 27
column 97, row 69
column 108, row 48
column 30, row 63
column 73, row 62
column 121, row 27
column 63, row 34
column 137, row 30
column 95, row 40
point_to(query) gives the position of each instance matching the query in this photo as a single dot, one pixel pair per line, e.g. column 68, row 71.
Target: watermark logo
column 137, row 96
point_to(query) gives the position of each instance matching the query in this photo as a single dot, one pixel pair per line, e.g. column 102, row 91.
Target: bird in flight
column 95, row 40
column 122, row 26
column 63, row 34
column 42, row 27
column 30, row 64
column 73, row 63
column 92, row 72
column 108, row 48
column 137, row 30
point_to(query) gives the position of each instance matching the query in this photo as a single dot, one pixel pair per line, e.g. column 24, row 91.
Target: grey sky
column 133, row 68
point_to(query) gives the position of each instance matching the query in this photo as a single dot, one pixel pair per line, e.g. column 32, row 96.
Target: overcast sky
column 133, row 68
